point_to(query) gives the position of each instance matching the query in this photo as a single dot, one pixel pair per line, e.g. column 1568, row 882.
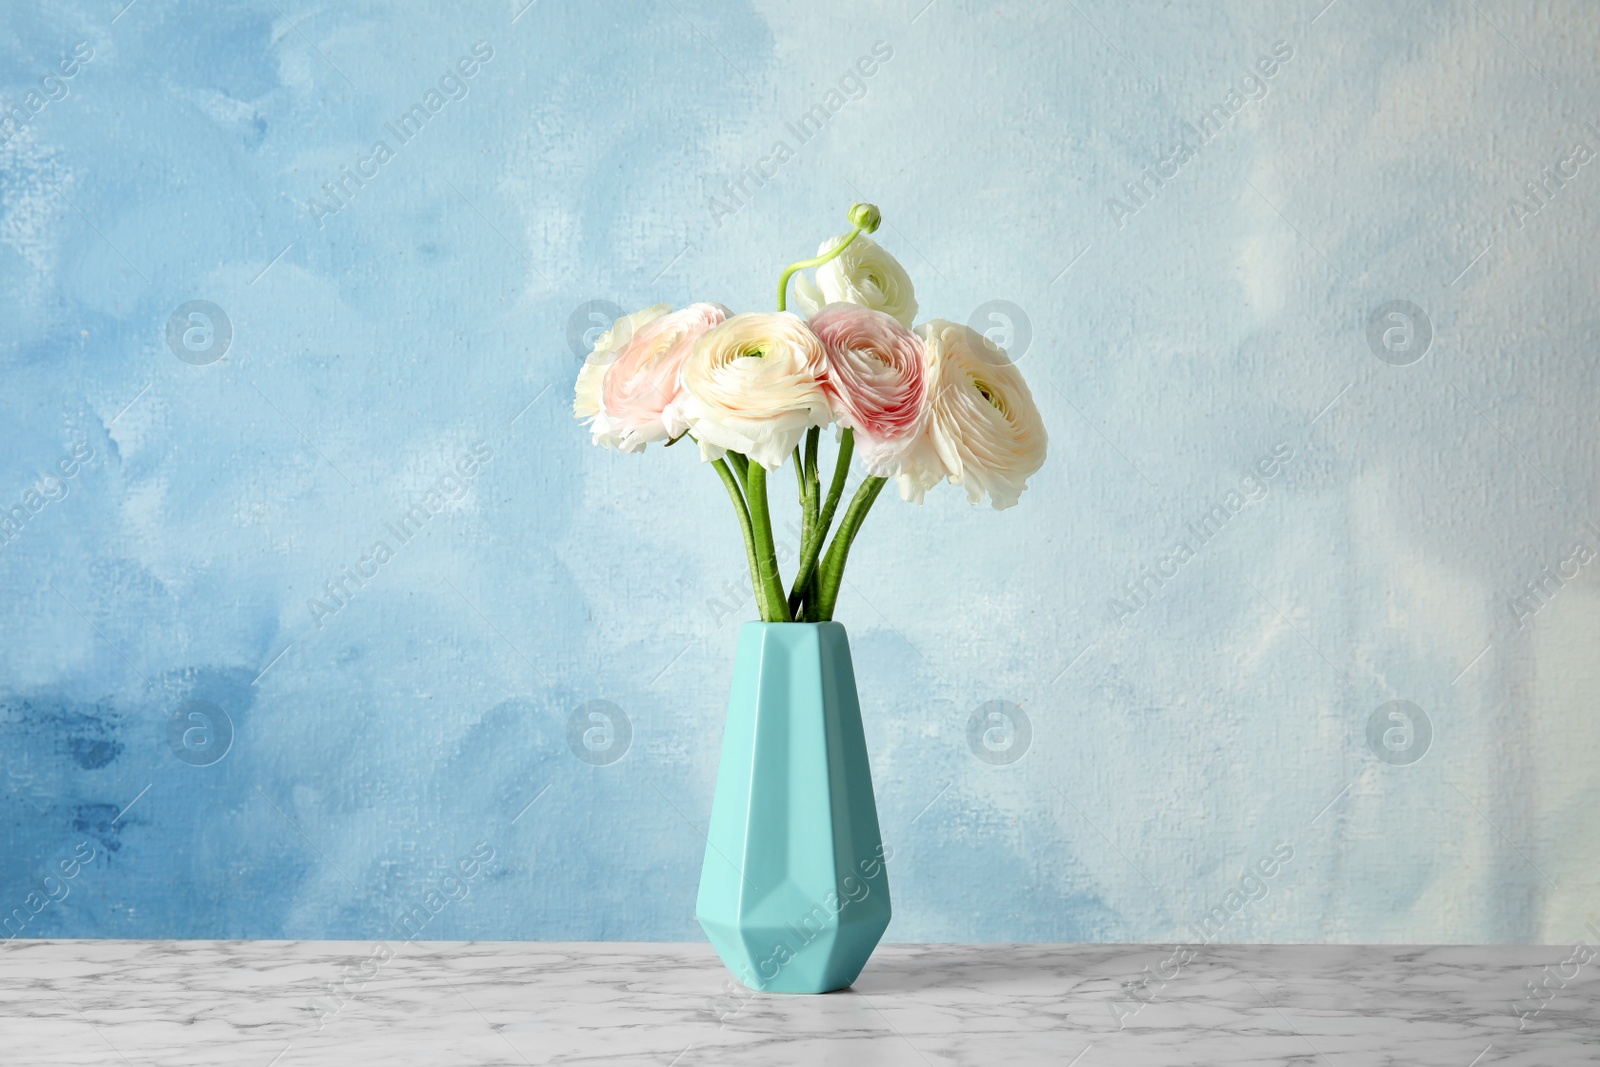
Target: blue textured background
column 376, row 345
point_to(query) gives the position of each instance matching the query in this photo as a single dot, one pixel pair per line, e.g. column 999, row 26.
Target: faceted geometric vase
column 794, row 892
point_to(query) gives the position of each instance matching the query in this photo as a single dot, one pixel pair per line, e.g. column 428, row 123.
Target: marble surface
column 297, row 1004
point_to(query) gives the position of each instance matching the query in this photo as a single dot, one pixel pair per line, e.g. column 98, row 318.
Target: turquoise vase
column 794, row 892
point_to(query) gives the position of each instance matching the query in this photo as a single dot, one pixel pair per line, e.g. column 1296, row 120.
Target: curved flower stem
column 755, row 489
column 811, row 533
column 740, row 465
column 813, row 491
column 798, row 606
column 813, row 514
column 818, row 519
column 732, row 483
column 816, row 261
column 832, row 573
column 841, row 471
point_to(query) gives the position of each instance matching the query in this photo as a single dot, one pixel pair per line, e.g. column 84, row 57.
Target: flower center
column 990, row 396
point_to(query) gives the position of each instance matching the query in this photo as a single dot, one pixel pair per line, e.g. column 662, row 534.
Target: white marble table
column 267, row 1004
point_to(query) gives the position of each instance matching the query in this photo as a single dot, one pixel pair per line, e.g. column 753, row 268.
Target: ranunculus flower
column 751, row 386
column 641, row 394
column 862, row 274
column 591, row 379
column 982, row 421
column 876, row 379
column 586, row 395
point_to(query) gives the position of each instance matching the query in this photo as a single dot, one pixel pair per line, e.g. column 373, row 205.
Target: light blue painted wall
column 374, row 348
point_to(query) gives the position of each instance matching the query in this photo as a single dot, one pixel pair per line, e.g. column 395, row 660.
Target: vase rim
column 825, row 622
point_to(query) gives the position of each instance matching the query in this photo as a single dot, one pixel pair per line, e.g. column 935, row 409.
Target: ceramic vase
column 794, row 890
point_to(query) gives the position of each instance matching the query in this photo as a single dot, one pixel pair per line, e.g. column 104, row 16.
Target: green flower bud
column 865, row 216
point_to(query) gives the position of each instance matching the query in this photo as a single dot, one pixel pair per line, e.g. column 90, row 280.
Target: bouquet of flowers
column 755, row 389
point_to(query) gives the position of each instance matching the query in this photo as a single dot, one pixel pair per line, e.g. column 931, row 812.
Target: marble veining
column 306, row 1003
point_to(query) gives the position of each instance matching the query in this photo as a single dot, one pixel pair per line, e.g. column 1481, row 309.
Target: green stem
column 811, row 532
column 813, row 490
column 732, row 483
column 740, row 466
column 755, row 487
column 817, row 261
column 841, row 471
column 832, row 573
column 805, row 582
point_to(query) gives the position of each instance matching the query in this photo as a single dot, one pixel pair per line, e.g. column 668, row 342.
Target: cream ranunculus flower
column 862, row 274
column 592, row 376
column 983, row 424
column 751, row 387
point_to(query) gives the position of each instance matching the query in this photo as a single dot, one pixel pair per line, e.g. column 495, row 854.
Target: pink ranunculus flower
column 641, row 396
column 592, row 376
column 875, row 376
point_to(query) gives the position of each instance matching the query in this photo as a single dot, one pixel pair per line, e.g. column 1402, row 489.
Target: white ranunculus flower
column 592, row 376
column 862, row 274
column 982, row 421
column 751, row 385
